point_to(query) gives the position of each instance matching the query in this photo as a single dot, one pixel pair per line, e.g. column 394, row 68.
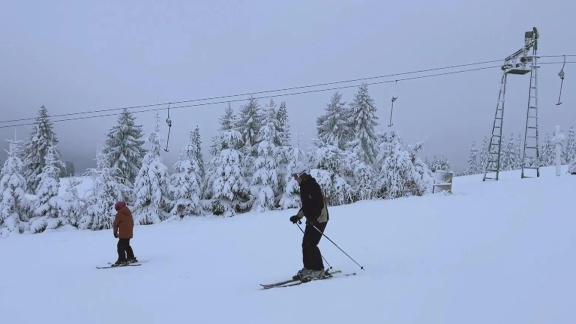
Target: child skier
column 123, row 230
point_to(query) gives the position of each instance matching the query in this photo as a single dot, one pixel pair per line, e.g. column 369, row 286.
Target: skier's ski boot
column 301, row 274
column 133, row 260
column 314, row 275
column 119, row 263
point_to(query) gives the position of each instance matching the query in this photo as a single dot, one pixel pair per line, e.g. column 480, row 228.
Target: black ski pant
column 124, row 250
column 310, row 252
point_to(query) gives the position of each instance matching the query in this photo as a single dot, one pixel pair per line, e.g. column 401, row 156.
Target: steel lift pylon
column 519, row 63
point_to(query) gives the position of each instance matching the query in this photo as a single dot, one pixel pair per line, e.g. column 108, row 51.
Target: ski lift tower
column 520, row 63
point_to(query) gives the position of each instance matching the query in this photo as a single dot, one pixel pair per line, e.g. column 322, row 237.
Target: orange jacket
column 124, row 223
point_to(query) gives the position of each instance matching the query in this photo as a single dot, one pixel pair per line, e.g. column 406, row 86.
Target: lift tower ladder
column 495, row 145
column 531, row 152
column 516, row 64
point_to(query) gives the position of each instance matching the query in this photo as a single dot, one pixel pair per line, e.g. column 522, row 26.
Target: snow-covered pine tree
column 284, row 149
column 265, row 185
column 438, row 163
column 125, row 149
column 229, row 192
column 518, row 151
column 423, row 179
column 362, row 120
column 185, row 185
column 295, row 157
column 196, row 142
column 36, row 149
column 73, row 206
column 282, row 127
column 484, row 154
column 68, row 170
column 547, row 151
column 402, row 174
column 248, row 125
column 507, row 157
column 14, row 206
column 152, row 203
column 331, row 126
column 228, row 123
column 569, row 151
column 46, row 207
column 473, row 166
column 106, row 190
column 359, row 174
column 327, row 159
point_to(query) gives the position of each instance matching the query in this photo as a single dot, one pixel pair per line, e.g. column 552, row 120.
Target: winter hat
column 300, row 171
column 119, row 205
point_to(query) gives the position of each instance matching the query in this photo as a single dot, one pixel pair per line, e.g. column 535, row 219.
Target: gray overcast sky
column 77, row 55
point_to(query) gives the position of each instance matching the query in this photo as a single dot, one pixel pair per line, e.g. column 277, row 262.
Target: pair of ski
column 111, row 265
column 296, row 282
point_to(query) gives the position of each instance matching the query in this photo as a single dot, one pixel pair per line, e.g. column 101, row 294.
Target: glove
column 115, row 235
column 294, row 219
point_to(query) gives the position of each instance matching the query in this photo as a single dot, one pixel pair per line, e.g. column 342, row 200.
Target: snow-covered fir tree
column 284, row 148
column 14, row 206
column 107, row 189
column 282, row 126
column 362, row 120
column 547, row 151
column 227, row 123
column 68, row 170
column 74, row 206
column 360, row 175
column 265, row 183
column 507, row 158
column 152, row 203
column 331, row 126
column 46, row 207
column 518, row 151
column 473, row 165
column 125, row 148
column 295, row 159
column 402, row 174
column 327, row 159
column 423, row 179
column 484, row 155
column 438, row 163
column 569, row 151
column 229, row 190
column 196, row 141
column 36, row 148
column 248, row 124
column 185, row 185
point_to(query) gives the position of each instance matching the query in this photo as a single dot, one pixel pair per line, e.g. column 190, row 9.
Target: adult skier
column 315, row 210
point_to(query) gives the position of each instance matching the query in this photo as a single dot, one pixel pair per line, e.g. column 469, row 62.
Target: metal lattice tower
column 531, row 152
column 519, row 63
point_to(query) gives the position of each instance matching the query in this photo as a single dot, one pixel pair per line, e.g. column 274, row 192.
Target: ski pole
column 361, row 267
column 323, row 258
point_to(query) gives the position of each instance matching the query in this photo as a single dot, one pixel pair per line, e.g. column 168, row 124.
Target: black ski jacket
column 313, row 206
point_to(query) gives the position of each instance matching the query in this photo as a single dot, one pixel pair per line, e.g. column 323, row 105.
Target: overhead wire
column 263, row 91
column 147, row 108
column 255, row 97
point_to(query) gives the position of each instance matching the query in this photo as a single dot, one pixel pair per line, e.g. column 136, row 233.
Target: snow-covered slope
column 493, row 252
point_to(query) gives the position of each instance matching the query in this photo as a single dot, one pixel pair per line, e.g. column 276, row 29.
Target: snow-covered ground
column 493, row 252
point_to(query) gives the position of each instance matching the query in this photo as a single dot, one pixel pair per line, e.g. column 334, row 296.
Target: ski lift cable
column 260, row 97
column 268, row 91
column 264, row 91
